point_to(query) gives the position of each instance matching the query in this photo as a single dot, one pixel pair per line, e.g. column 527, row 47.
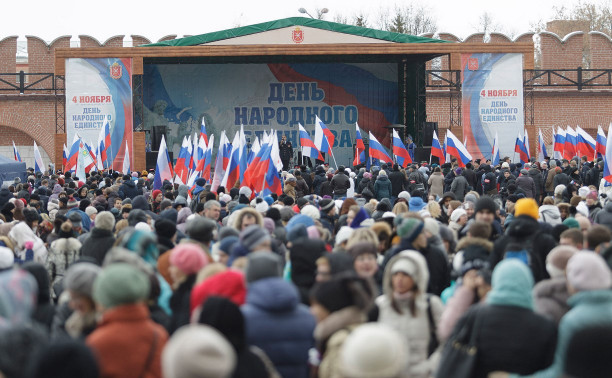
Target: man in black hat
column 286, row 152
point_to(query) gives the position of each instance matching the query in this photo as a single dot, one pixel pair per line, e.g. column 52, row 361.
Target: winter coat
column 303, row 256
column 5, row 196
column 62, row 253
column 398, row 181
column 19, row 235
column 527, row 185
column 180, row 304
column 289, row 190
column 604, row 217
column 549, row 186
column 340, row 184
column 301, row 188
column 382, row 187
column 550, row 298
column 123, row 341
column 129, row 189
column 318, row 181
column 461, row 301
column 181, row 219
column 44, row 311
column 510, row 337
column 550, row 214
column 471, row 177
column 588, row 308
column 414, row 328
column 326, row 189
column 436, row 184
column 330, row 335
column 536, row 175
column 280, row 325
column 527, row 232
column 459, row 187
column 560, row 179
column 365, row 183
column 99, row 242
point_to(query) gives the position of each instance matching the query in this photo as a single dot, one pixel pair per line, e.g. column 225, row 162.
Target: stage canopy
column 9, row 169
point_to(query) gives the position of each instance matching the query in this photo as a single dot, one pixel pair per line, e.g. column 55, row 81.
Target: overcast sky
column 155, row 18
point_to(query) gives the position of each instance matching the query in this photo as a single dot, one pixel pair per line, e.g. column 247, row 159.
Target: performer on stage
column 286, row 152
column 410, row 146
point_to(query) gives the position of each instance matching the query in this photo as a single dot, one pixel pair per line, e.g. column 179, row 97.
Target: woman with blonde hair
column 362, row 235
column 434, row 209
column 247, row 217
column 400, row 208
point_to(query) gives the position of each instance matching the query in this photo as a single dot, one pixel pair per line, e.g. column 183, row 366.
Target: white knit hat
column 344, row 233
column 311, row 211
column 374, row 350
column 7, row 258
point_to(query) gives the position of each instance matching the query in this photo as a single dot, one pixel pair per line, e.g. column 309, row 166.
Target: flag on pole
column 377, row 151
column 541, row 147
column 400, row 151
column 585, row 143
column 208, row 159
column 495, row 153
column 559, row 143
column 601, row 141
column 519, row 147
column 16, row 153
column 38, row 162
column 359, row 148
column 308, row 147
column 242, row 158
column 91, row 159
column 203, row 131
column 180, row 168
column 527, row 146
column 73, row 155
column 223, row 154
column 324, row 139
column 64, row 158
column 437, row 150
column 126, row 160
column 455, row 148
column 607, row 174
column 275, row 154
column 569, row 151
column 232, row 172
column 163, row 168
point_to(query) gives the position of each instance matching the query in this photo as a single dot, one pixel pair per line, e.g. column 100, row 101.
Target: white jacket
column 20, row 234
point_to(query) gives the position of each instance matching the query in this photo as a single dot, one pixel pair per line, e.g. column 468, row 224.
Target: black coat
column 340, row 183
column 97, row 244
column 527, row 232
column 318, row 181
column 129, row 189
column 511, row 339
column 5, row 196
column 398, row 181
column 44, row 311
column 179, row 304
column 286, row 151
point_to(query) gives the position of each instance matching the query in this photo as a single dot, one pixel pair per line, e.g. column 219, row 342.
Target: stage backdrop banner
column 100, row 91
column 492, row 102
column 271, row 96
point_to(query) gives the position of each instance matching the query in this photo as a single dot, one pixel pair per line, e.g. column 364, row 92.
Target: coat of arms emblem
column 115, row 70
column 297, row 35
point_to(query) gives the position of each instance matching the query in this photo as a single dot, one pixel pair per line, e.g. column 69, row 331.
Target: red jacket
column 124, row 340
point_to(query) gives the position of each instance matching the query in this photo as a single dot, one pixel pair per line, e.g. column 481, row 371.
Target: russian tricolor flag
column 377, row 151
column 541, row 147
column 437, row 150
column 495, row 153
column 586, row 144
column 571, row 140
column 359, row 148
column 324, row 139
column 560, row 142
column 180, row 168
column 308, row 147
column 400, row 152
column 38, row 162
column 64, row 157
column 601, row 141
column 208, row 159
column 455, row 148
column 203, row 131
column 73, row 154
column 607, row 175
column 163, row 169
column 526, row 143
column 232, row 172
column 223, row 154
column 16, row 153
column 519, row 147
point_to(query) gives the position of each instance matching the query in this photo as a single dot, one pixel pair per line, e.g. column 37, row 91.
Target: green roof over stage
column 296, row 21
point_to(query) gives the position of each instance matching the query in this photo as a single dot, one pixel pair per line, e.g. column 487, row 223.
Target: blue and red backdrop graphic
column 492, row 101
column 272, row 96
column 100, row 91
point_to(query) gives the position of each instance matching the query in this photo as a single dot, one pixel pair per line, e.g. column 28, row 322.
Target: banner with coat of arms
column 492, row 102
column 99, row 91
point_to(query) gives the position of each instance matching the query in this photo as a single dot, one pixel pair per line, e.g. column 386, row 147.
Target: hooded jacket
column 527, row 232
column 280, row 325
column 510, row 336
column 436, row 184
column 99, row 242
column 550, row 214
column 129, row 189
column 550, row 298
column 604, row 216
column 19, row 235
column 415, row 329
column 382, row 187
column 62, row 253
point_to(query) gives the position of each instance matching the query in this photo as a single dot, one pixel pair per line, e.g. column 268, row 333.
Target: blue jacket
column 280, row 325
column 589, row 308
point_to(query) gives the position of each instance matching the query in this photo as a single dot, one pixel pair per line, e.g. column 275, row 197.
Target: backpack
column 528, row 256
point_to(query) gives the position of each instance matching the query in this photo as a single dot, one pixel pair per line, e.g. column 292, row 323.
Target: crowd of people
column 383, row 272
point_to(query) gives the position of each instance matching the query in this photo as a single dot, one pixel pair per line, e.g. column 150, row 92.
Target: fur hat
column 457, row 213
column 105, row 220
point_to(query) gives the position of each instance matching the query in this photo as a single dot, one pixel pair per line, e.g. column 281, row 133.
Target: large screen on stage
column 492, row 102
column 271, row 96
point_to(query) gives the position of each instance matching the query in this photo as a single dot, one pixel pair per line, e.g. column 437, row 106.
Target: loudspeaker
column 151, row 159
column 426, row 132
column 156, row 137
column 423, row 154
